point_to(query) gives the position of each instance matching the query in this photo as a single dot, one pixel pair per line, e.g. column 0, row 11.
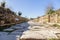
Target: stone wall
column 42, row 19
column 54, row 18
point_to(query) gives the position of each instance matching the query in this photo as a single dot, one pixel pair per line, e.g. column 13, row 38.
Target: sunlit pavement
column 29, row 30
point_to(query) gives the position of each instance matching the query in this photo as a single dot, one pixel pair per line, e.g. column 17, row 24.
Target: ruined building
column 54, row 18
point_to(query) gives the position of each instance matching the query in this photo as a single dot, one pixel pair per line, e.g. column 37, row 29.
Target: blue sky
column 31, row 8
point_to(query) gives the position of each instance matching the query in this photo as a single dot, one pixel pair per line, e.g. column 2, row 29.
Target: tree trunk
column 48, row 18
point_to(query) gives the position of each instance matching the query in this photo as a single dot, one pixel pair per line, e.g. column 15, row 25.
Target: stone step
column 8, row 30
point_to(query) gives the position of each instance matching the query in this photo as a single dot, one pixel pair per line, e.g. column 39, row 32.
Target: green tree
column 19, row 13
column 3, row 4
column 50, row 11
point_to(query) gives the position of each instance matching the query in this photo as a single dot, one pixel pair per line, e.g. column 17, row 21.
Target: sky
column 31, row 8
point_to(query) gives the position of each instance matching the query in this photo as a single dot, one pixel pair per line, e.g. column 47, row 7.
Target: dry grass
column 39, row 39
column 32, row 39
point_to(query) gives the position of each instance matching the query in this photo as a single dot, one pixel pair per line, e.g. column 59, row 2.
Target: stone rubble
column 40, row 32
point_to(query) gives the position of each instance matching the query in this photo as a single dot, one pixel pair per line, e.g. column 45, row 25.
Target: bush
column 56, row 25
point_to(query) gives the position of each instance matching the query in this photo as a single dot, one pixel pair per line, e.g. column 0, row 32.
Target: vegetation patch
column 56, row 25
column 53, row 39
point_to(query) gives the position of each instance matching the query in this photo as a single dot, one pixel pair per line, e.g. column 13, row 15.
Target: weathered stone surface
column 41, row 32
